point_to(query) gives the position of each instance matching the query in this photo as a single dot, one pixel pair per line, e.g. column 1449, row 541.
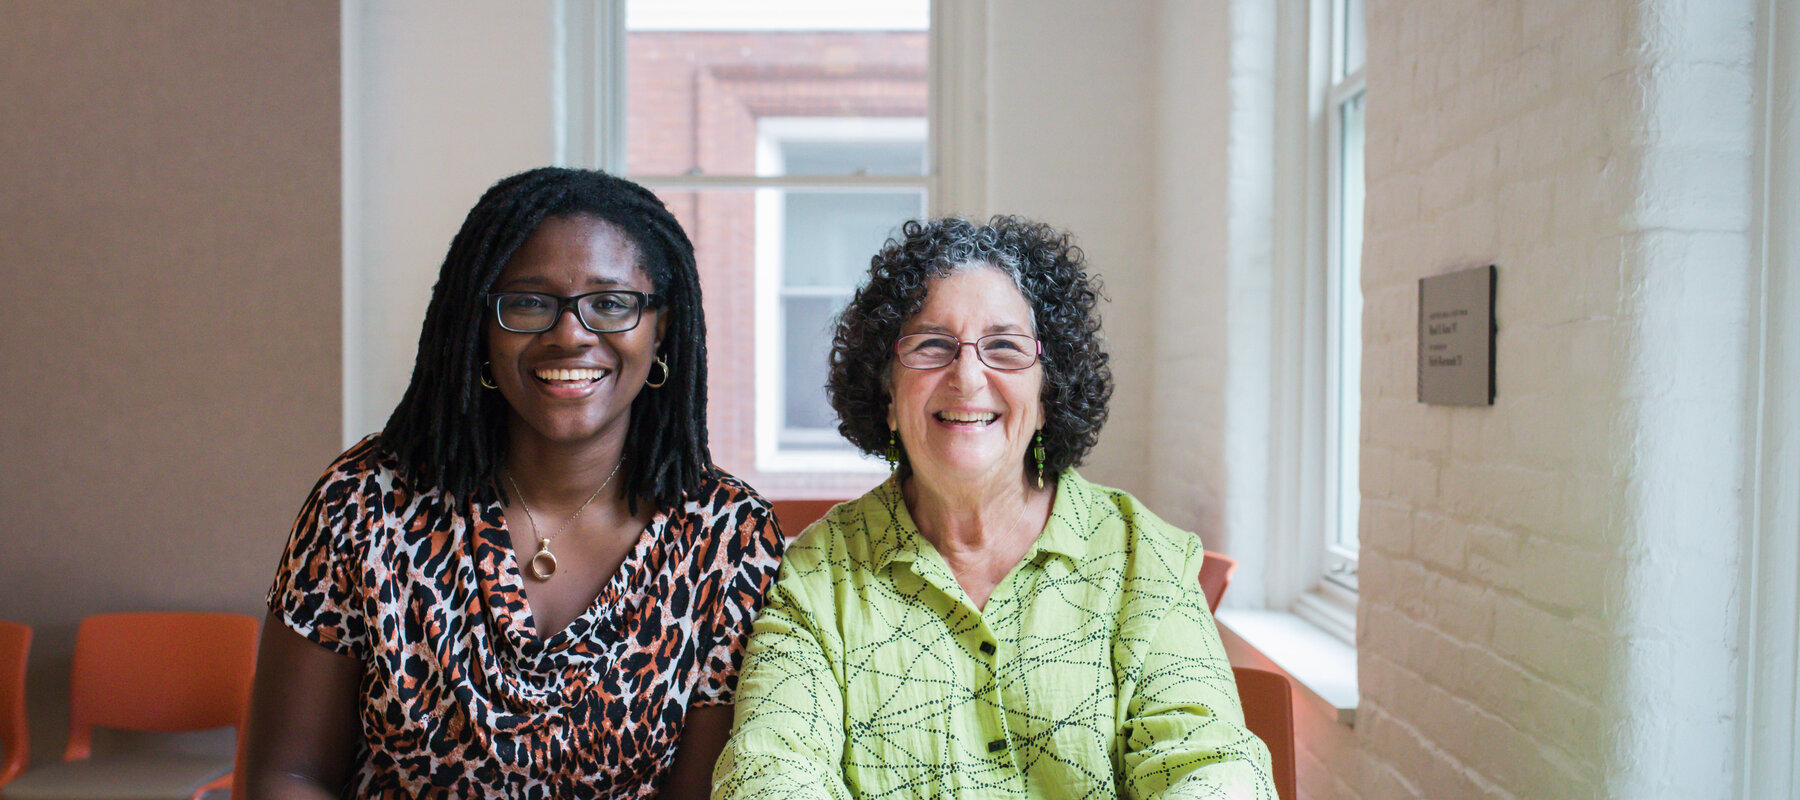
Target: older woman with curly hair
column 985, row 623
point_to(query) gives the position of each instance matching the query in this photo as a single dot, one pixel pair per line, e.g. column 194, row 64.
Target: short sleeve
column 318, row 584
column 748, row 558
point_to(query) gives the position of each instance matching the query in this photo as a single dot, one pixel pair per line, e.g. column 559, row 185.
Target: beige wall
column 1070, row 119
column 169, row 217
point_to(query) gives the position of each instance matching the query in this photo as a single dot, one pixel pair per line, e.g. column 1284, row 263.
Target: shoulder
column 855, row 536
column 721, row 499
column 726, row 511
column 359, row 482
column 845, row 524
column 363, row 460
column 1143, row 532
column 363, row 487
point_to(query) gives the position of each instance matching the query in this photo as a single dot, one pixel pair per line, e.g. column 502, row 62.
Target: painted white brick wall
column 1547, row 584
column 1485, row 127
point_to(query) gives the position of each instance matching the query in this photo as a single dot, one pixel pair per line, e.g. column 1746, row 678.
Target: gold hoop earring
column 484, row 377
column 665, row 376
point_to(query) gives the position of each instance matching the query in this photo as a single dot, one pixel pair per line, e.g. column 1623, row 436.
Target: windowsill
column 1320, row 663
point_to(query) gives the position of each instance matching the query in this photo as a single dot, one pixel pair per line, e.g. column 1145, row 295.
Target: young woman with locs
column 532, row 582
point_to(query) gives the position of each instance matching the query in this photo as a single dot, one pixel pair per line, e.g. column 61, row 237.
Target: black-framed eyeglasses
column 610, row 311
column 1006, row 351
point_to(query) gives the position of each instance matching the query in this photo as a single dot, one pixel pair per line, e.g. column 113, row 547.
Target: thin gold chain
column 545, row 540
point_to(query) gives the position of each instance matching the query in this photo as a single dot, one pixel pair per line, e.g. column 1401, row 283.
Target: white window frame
column 771, row 261
column 1319, row 580
column 592, row 71
column 1340, row 569
column 1768, row 728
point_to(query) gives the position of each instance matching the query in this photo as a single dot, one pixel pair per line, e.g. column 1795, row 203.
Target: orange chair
column 795, row 515
column 1268, row 701
column 151, row 672
column 15, row 745
column 1215, row 575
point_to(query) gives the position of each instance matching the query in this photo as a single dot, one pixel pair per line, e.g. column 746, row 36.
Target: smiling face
column 568, row 386
column 967, row 422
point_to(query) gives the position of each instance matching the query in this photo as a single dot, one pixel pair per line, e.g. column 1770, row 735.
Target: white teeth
column 954, row 416
column 570, row 374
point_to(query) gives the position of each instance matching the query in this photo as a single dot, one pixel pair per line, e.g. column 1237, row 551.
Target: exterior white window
column 791, row 138
column 812, row 249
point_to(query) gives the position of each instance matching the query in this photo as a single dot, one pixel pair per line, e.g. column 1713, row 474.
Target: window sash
column 1340, row 405
column 954, row 36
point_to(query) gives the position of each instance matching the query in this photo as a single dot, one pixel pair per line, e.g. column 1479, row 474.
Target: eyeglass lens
column 1007, row 351
column 600, row 312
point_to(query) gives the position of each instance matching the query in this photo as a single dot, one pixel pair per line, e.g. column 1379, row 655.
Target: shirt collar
column 893, row 536
column 1068, row 531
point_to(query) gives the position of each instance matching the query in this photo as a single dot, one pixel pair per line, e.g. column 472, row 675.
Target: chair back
column 1215, row 575
column 159, row 671
column 795, row 515
column 15, row 743
column 1268, row 701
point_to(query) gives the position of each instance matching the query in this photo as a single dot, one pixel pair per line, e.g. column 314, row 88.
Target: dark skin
column 566, row 437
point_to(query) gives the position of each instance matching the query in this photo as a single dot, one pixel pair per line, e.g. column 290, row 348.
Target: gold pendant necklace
column 543, row 563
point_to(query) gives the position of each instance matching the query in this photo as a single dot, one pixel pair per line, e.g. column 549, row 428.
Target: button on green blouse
column 1094, row 670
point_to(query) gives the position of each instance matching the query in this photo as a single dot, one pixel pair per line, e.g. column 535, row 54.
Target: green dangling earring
column 893, row 452
column 1037, row 456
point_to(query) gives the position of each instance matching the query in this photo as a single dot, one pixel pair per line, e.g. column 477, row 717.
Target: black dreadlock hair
column 447, row 431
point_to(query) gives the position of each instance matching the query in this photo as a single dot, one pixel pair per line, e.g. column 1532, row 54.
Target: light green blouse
column 1094, row 670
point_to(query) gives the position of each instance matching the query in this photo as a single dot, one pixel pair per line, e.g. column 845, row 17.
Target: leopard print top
column 460, row 697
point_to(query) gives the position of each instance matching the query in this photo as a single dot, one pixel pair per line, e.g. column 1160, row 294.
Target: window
column 812, row 248
column 1344, row 215
column 1317, row 470
column 791, row 139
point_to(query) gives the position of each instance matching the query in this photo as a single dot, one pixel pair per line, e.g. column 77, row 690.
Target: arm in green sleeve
column 788, row 739
column 1186, row 727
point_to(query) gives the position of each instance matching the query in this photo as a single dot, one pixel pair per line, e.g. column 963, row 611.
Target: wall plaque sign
column 1456, row 338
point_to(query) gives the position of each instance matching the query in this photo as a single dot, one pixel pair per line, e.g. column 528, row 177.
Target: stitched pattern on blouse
column 1094, row 669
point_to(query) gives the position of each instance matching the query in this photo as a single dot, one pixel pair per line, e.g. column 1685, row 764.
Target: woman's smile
column 570, row 382
column 966, row 419
column 570, row 377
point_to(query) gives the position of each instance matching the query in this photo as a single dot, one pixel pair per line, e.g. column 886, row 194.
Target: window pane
column 1349, row 337
column 833, row 95
column 776, row 265
column 807, row 323
column 827, row 240
column 829, row 236
column 722, row 226
column 873, row 156
column 701, row 95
